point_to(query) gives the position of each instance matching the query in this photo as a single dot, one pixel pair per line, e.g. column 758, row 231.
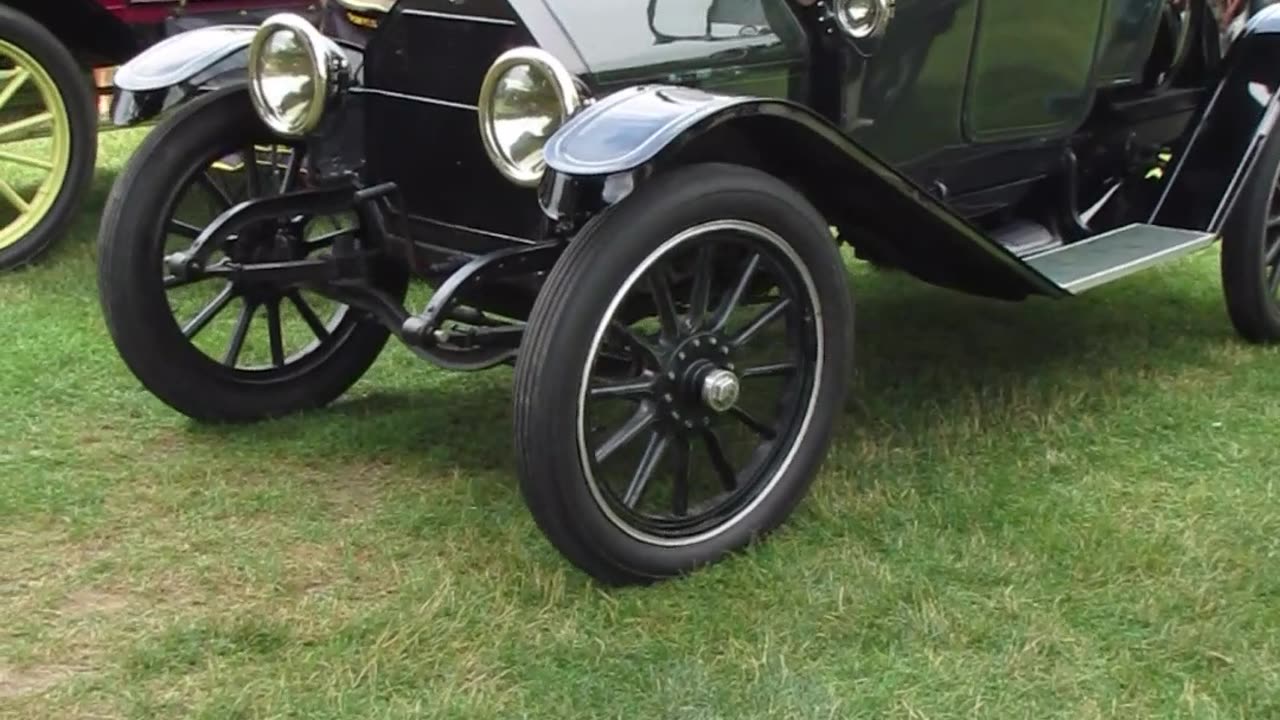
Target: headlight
column 864, row 19
column 527, row 95
column 294, row 73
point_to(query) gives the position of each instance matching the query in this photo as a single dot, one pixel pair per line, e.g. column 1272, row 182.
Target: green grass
column 1046, row 510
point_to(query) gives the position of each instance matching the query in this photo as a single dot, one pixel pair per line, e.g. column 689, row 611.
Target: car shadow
column 924, row 357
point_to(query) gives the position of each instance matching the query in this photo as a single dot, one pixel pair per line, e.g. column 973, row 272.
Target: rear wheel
column 683, row 368
column 1251, row 253
column 211, row 348
column 48, row 138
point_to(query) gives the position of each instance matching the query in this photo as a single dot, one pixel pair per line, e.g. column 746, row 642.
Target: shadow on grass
column 927, row 360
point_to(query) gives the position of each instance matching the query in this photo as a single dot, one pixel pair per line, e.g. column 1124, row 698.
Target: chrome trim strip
column 459, row 17
column 415, row 98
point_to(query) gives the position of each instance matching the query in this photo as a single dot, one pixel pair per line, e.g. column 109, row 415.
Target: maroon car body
column 109, row 32
column 72, row 45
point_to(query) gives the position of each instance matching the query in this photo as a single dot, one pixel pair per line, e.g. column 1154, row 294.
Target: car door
column 1032, row 69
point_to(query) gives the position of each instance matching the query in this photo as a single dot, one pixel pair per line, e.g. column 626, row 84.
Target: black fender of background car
column 179, row 68
column 619, row 140
column 96, row 36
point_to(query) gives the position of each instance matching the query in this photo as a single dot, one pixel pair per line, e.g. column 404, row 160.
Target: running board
column 1116, row 254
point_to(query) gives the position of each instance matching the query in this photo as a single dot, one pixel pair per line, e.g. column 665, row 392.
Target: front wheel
column 682, row 372
column 217, row 349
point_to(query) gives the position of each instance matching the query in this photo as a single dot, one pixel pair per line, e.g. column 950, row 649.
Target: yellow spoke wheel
column 48, row 138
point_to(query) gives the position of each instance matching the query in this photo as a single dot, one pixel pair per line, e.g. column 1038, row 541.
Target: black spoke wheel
column 1251, row 253
column 682, row 373
column 213, row 348
column 707, row 369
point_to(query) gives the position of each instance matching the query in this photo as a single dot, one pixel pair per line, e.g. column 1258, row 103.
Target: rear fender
column 178, row 69
column 1219, row 153
column 600, row 155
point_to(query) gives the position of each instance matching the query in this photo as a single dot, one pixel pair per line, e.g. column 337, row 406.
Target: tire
column 572, row 317
column 1251, row 253
column 136, row 305
column 71, row 102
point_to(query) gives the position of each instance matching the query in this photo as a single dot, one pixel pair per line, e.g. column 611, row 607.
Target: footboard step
column 1116, row 254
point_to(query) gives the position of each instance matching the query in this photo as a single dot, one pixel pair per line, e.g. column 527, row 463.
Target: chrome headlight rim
column 327, row 64
column 870, row 27
column 567, row 92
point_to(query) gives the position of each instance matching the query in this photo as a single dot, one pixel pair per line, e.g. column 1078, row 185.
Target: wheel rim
column 1271, row 249
column 256, row 332
column 35, row 135
column 672, row 454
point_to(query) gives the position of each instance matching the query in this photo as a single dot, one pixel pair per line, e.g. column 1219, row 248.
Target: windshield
column 627, row 39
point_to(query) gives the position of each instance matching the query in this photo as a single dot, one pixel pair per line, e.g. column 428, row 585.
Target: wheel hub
column 271, row 243
column 699, row 382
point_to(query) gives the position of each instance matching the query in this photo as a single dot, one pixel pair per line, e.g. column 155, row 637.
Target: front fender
column 633, row 131
column 632, row 127
column 177, row 69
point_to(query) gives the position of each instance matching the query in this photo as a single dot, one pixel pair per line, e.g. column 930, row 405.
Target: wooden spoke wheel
column 48, row 138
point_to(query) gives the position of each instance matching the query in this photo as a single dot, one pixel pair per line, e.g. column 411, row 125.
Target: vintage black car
column 643, row 205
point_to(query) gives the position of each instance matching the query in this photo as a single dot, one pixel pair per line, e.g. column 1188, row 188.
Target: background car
column 48, row 97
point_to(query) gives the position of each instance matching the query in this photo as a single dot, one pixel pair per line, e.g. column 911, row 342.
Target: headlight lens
column 526, row 97
column 294, row 72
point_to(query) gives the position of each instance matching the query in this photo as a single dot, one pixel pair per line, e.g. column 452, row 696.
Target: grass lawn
column 1033, row 511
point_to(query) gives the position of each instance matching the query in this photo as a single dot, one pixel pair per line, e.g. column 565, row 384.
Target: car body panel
column 409, row 95
column 962, row 109
column 630, row 129
column 1031, row 70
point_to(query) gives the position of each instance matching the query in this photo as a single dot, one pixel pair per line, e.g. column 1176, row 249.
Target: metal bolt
column 683, row 356
column 671, row 375
column 712, row 341
column 706, row 422
column 697, row 343
column 667, row 398
column 675, row 415
column 720, row 389
column 724, row 350
column 729, row 366
column 688, row 424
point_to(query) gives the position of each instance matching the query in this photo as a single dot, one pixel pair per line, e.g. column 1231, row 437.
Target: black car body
column 554, row 167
